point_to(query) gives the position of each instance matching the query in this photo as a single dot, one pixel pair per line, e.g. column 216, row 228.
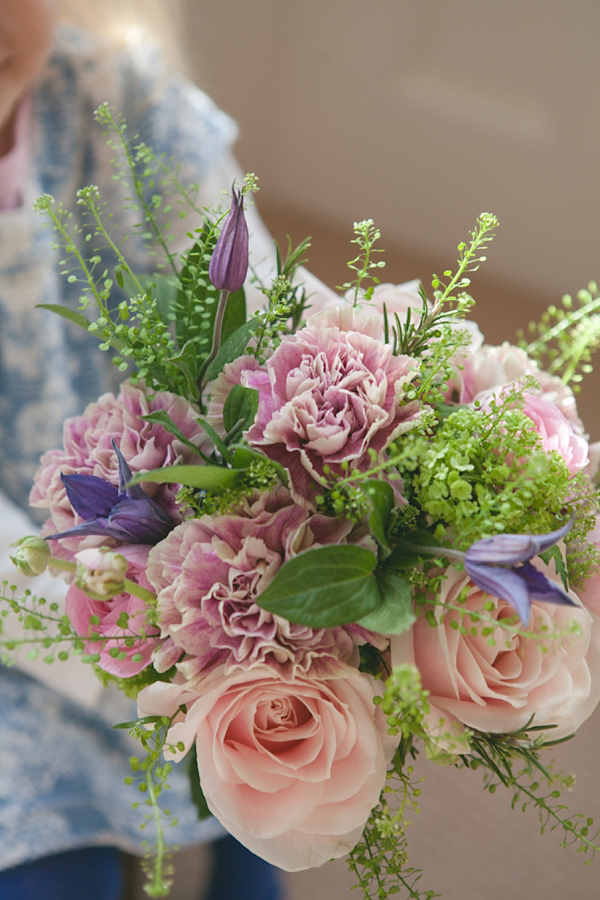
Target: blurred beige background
column 420, row 115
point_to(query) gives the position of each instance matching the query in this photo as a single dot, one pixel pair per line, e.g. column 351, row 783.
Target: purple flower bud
column 126, row 514
column 493, row 565
column 229, row 262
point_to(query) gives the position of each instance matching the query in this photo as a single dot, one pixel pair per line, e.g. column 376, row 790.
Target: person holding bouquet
column 65, row 817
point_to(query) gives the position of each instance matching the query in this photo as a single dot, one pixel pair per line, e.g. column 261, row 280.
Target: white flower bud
column 32, row 555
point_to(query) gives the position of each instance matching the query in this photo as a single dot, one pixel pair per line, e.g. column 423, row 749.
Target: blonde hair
column 130, row 21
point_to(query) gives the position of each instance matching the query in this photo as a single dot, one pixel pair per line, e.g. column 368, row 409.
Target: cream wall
column 421, row 114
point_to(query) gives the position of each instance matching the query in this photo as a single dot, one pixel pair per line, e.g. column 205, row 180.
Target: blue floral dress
column 62, row 766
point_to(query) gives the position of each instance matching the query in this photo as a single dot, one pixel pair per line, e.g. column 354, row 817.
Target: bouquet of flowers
column 318, row 540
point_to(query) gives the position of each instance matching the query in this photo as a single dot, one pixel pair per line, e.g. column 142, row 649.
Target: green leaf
column 162, row 417
column 381, row 495
column 206, row 478
column 240, row 406
column 187, row 361
column 66, row 313
column 195, row 786
column 324, row 587
column 196, row 302
column 406, row 555
column 235, row 313
column 243, row 456
column 553, row 553
column 233, row 347
column 221, row 447
column 395, row 614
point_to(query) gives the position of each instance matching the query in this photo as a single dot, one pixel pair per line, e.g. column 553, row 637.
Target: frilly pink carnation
column 332, row 393
column 219, row 389
column 208, row 573
column 291, row 769
column 497, row 682
column 489, row 368
column 88, row 451
column 123, row 660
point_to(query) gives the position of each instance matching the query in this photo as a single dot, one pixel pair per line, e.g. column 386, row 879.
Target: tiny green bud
column 32, row 555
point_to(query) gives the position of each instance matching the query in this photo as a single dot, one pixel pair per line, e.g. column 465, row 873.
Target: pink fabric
column 14, row 164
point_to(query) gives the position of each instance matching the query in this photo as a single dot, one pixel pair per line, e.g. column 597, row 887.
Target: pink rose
column 488, row 368
column 589, row 593
column 291, row 769
column 498, row 687
column 556, row 432
column 127, row 640
column 332, row 394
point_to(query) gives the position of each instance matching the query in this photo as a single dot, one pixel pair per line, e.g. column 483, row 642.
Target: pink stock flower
column 208, row 574
column 291, row 769
column 332, row 394
column 127, row 640
column 497, row 682
column 88, row 451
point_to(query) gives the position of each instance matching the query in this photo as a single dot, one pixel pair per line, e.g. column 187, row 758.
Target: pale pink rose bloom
column 80, row 608
column 489, row 368
column 499, row 688
column 556, row 431
column 331, row 394
column 291, row 769
column 88, row 451
column 209, row 573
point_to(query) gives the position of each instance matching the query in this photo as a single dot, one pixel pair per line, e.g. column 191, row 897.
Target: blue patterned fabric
column 62, row 768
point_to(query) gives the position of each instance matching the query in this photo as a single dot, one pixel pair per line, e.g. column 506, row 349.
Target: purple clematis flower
column 229, row 262
column 126, row 514
column 500, row 566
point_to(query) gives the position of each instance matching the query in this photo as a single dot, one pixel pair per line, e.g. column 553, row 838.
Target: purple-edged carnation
column 208, row 573
column 88, row 450
column 332, row 393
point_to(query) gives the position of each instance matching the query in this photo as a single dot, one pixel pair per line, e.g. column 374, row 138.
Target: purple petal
column 509, row 549
column 229, row 262
column 540, row 588
column 91, row 526
column 125, row 475
column 139, row 521
column 505, row 584
column 89, row 495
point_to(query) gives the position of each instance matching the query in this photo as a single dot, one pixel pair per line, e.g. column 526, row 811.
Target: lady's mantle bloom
column 332, row 393
column 291, row 769
column 497, row 681
column 88, row 450
column 500, row 566
column 127, row 640
column 209, row 572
